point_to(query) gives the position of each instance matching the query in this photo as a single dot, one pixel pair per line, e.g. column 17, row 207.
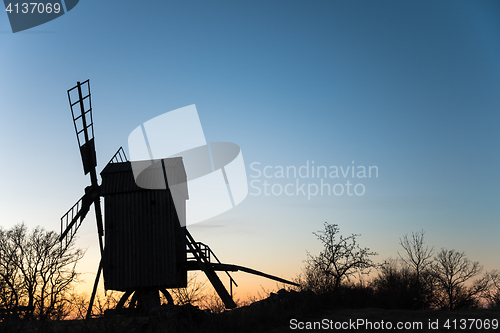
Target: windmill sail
column 72, row 220
column 81, row 109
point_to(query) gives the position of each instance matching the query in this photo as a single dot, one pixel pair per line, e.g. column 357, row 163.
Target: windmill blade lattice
column 80, row 103
column 72, row 220
column 81, row 109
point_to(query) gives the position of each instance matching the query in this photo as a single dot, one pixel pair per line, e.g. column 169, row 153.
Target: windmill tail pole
column 234, row 268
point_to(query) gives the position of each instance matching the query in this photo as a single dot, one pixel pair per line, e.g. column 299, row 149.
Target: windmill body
column 144, row 244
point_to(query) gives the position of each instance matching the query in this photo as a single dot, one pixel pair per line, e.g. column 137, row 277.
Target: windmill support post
column 94, row 290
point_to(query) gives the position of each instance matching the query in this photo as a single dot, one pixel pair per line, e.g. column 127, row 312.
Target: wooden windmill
column 145, row 249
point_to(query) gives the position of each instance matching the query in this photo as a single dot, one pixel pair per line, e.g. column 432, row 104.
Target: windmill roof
column 172, row 162
column 143, row 175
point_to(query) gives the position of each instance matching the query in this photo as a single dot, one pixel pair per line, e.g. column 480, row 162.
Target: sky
column 409, row 88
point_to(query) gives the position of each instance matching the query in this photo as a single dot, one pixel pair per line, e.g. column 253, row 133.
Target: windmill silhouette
column 145, row 248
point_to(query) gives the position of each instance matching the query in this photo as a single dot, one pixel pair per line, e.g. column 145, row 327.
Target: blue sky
column 411, row 87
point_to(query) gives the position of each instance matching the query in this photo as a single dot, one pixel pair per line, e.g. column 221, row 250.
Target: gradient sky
column 410, row 87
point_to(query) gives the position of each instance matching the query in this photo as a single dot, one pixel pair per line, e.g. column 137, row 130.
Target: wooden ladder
column 206, row 266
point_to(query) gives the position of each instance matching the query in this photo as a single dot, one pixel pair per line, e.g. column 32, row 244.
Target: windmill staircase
column 201, row 257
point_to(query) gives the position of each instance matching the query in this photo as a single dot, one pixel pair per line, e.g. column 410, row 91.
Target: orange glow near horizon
column 250, row 288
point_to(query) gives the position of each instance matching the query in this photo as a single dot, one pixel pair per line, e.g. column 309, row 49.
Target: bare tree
column 11, row 293
column 418, row 257
column 341, row 258
column 193, row 294
column 392, row 285
column 79, row 304
column 213, row 303
column 105, row 302
column 452, row 269
column 492, row 295
column 37, row 270
column 313, row 279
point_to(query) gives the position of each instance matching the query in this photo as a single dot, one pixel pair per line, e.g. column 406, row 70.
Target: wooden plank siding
column 145, row 245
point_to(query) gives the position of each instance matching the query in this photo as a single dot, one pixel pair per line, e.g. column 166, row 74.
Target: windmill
column 145, row 248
